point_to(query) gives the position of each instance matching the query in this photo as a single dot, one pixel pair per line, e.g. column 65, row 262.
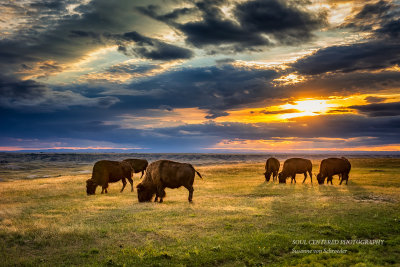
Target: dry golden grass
column 236, row 219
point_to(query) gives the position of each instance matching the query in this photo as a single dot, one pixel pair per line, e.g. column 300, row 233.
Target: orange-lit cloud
column 160, row 118
column 304, row 107
column 298, row 144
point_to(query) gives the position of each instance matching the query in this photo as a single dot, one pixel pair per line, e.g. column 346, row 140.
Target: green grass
column 236, row 219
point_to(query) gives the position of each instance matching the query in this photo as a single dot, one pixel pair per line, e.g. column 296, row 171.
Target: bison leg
column 104, row 189
column 305, row 177
column 160, row 193
column 330, row 178
column 123, row 185
column 142, row 174
column 309, row 172
column 156, row 199
column 190, row 188
column 131, row 182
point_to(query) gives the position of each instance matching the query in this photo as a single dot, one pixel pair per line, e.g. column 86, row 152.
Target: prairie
column 236, row 219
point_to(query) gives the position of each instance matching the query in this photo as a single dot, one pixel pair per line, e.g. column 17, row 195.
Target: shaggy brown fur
column 293, row 166
column 271, row 167
column 138, row 165
column 334, row 166
column 165, row 173
column 106, row 171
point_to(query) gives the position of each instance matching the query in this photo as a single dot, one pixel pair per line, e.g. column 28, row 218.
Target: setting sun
column 307, row 108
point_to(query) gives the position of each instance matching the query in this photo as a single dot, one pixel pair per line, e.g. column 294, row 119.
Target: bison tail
column 198, row 174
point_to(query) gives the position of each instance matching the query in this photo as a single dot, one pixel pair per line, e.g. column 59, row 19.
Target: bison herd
column 163, row 174
column 291, row 167
column 159, row 175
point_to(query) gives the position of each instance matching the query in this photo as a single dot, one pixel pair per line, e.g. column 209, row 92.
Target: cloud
column 30, row 95
column 250, row 26
column 390, row 29
column 363, row 56
column 343, row 84
column 379, row 109
column 147, row 47
column 213, row 88
column 371, row 15
column 283, row 111
column 379, row 50
column 374, row 99
column 75, row 32
column 376, row 131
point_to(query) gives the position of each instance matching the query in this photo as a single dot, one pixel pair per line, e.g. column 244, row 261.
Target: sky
column 200, row 76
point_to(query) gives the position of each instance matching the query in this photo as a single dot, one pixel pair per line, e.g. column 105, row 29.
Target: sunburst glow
column 307, row 108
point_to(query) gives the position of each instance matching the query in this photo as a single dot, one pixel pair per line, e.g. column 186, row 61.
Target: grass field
column 236, row 219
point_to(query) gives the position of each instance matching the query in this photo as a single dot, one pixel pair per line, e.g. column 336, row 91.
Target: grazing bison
column 293, row 166
column 106, row 171
column 334, row 166
column 138, row 165
column 271, row 167
column 165, row 173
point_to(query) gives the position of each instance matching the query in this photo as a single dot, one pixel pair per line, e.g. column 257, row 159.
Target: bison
column 106, row 171
column 334, row 166
column 165, row 173
column 271, row 167
column 138, row 165
column 293, row 166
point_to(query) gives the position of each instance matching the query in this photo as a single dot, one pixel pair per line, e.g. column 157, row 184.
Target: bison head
column 267, row 176
column 145, row 193
column 282, row 178
column 320, row 178
column 90, row 187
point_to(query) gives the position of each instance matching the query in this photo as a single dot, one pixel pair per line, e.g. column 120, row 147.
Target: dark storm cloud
column 131, row 68
column 371, row 55
column 136, row 44
column 152, row 11
column 283, row 22
column 390, row 29
column 372, row 15
column 14, row 89
column 218, row 89
column 32, row 96
column 152, row 48
column 212, row 88
column 381, row 50
column 68, row 37
column 379, row 109
column 344, row 84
